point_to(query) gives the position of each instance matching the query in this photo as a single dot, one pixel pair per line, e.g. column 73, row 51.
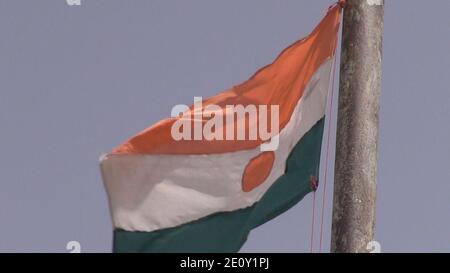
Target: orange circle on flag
column 257, row 170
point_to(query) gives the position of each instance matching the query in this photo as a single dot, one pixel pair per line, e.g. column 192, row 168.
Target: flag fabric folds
column 207, row 194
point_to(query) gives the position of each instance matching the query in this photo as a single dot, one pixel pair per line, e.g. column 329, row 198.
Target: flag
column 187, row 184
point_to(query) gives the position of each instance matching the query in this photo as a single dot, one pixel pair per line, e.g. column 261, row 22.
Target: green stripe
column 228, row 231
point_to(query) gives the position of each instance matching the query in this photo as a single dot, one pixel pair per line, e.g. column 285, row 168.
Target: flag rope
column 313, row 220
column 342, row 3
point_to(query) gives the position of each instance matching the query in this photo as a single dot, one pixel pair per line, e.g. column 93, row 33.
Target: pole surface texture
column 357, row 126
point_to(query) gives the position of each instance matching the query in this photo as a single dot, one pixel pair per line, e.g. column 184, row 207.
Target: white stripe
column 150, row 192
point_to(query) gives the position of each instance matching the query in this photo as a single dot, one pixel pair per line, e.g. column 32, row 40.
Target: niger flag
column 172, row 190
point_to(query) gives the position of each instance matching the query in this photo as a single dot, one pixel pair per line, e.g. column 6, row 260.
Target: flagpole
column 353, row 218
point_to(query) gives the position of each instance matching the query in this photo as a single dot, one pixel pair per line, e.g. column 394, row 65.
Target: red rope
column 312, row 222
column 314, row 184
column 327, row 150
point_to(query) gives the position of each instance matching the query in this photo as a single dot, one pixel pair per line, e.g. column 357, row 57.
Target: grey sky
column 76, row 81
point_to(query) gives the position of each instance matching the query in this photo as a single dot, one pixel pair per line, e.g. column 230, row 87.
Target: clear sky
column 75, row 81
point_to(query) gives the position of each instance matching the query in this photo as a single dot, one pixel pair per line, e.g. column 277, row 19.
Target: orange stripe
column 280, row 83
